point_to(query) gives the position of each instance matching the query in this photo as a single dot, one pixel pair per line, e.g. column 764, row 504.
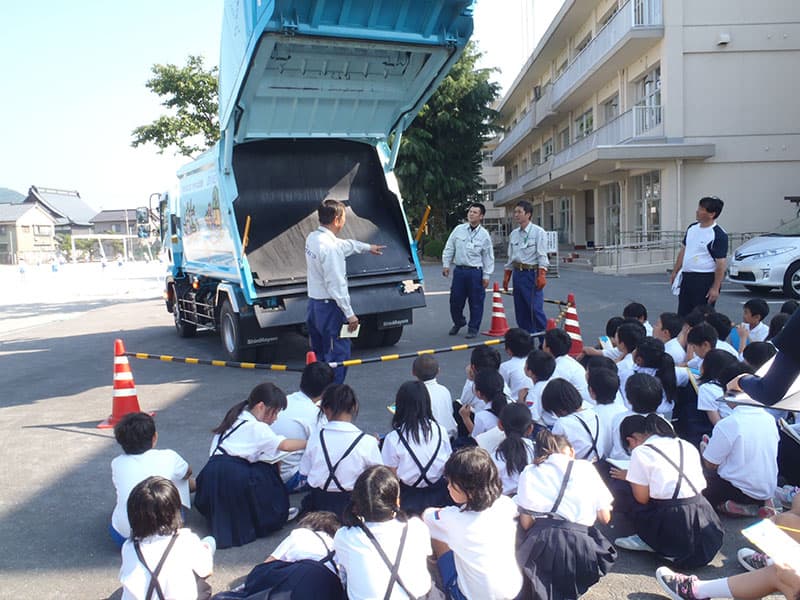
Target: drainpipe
column 679, row 196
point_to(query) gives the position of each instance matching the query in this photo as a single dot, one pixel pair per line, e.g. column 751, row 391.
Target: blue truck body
column 314, row 96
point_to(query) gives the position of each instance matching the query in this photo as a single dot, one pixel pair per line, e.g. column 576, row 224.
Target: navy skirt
column 288, row 580
column 686, row 531
column 561, row 560
column 241, row 500
column 317, row 499
column 414, row 500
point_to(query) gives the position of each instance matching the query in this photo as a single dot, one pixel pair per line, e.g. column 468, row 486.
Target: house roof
column 9, row 213
column 114, row 216
column 65, row 206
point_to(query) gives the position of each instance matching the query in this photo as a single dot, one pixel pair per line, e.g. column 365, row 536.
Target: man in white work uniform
column 328, row 297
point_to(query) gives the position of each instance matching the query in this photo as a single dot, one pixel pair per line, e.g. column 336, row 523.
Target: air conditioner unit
column 537, row 92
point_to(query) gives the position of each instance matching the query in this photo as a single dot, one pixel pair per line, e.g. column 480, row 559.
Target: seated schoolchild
column 668, row 329
column 558, row 343
column 579, row 424
column 604, row 389
column 518, row 346
column 710, row 390
column 539, row 367
column 638, row 311
column 489, row 390
column 426, row 368
column 515, row 452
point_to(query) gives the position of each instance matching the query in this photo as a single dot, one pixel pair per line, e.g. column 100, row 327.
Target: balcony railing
column 633, row 14
column 543, row 107
column 646, row 118
column 517, row 132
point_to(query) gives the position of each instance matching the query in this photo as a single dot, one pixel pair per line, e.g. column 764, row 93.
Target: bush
column 434, row 248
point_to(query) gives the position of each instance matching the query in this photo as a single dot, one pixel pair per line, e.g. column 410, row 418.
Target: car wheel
column 230, row 333
column 184, row 329
column 791, row 281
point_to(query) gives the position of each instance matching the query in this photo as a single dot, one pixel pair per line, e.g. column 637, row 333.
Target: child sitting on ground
column 607, row 348
column 581, row 426
column 604, row 389
column 489, row 390
column 711, row 389
column 668, row 329
column 474, row 541
column 426, row 368
column 753, row 328
column 539, row 367
column 638, row 311
column 162, row 559
column 515, row 452
column 518, row 346
column 136, row 433
column 558, row 343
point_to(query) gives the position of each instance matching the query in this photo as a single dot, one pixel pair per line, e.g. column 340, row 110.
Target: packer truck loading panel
column 314, row 97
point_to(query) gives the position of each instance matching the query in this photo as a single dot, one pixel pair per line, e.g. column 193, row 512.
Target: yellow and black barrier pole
column 213, row 363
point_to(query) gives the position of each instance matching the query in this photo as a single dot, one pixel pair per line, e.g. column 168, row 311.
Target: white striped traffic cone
column 125, row 398
column 499, row 322
column 573, row 328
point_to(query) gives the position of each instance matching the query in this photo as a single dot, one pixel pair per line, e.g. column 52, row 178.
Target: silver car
column 769, row 261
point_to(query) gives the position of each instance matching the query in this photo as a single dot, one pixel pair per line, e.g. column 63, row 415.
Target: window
column 608, row 15
column 647, row 200
column 584, row 124
column 563, row 139
column 610, row 202
column 26, row 228
column 648, row 107
column 583, row 43
column 611, row 108
column 536, row 157
column 565, row 219
column 42, row 230
column 547, row 149
column 561, row 68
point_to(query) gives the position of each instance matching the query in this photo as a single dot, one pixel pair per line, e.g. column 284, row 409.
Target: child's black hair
column 557, row 341
column 756, row 354
column 672, row 322
column 518, row 341
column 473, row 471
column 644, row 393
column 561, row 398
column 757, row 307
column 339, row 399
column 154, row 508
column 425, row 367
column 547, row 444
column 698, row 314
column 702, row 333
column 651, row 424
column 652, row 355
column 490, row 384
column 483, row 357
column 541, row 364
column 630, row 333
column 776, row 323
column 733, row 370
column 135, row 432
column 713, row 363
column 635, row 310
column 412, row 413
column 600, row 362
column 315, row 378
column 321, row 520
column 604, row 383
column 789, row 306
column 612, row 324
column 517, row 422
column 270, row 394
column 375, row 498
column 722, row 323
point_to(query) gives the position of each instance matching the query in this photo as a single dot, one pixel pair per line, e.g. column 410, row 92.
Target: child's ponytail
column 490, row 384
column 516, row 421
column 653, row 356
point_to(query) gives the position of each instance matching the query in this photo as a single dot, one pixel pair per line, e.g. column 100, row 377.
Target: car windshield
column 790, row 228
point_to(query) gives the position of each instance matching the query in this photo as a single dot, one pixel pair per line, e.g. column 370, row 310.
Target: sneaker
column 678, row 586
column 734, row 509
column 752, row 560
column 633, row 543
column 785, row 494
column 293, row 512
column 454, row 329
column 471, row 334
column 768, row 510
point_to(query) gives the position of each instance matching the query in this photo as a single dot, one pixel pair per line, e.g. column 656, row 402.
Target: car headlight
column 772, row 252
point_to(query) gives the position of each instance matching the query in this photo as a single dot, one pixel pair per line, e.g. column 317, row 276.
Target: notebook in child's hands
column 774, row 542
column 621, row 463
column 791, row 401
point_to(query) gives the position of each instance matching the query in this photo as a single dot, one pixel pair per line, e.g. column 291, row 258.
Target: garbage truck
column 314, row 96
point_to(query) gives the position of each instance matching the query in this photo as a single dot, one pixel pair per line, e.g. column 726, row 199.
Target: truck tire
column 231, row 335
column 184, row 329
column 791, row 281
column 392, row 335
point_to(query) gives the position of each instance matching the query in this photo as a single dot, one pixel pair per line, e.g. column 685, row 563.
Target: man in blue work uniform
column 527, row 260
column 469, row 247
column 328, row 297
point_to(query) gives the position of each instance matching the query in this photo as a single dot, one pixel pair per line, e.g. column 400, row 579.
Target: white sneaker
column 752, row 560
column 633, row 543
column 293, row 512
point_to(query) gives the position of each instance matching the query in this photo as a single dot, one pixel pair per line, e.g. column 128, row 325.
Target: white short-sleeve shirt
column 338, row 436
column 574, row 428
column 650, row 469
column 707, row 395
column 396, row 455
column 585, row 495
column 468, row 397
column 534, row 401
column 483, row 547
column 483, row 420
column 128, row 470
column 303, row 543
column 298, row 421
column 513, row 372
column 442, row 406
column 189, row 555
column 570, row 369
column 510, row 480
column 675, row 350
column 608, row 413
column 252, row 440
column 745, row 446
column 367, row 575
column 759, row 333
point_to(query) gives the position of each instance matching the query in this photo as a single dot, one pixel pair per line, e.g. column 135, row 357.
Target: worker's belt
column 468, row 267
column 523, row 267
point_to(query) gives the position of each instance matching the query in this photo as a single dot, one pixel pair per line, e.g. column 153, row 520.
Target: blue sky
column 73, row 88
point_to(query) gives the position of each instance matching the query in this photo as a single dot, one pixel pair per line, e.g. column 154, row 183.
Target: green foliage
column 190, row 93
column 440, row 154
column 88, row 247
column 434, row 249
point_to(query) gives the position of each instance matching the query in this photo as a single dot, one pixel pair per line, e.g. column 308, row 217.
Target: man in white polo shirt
column 702, row 258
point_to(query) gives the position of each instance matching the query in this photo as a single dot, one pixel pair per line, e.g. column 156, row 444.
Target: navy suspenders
column 332, row 467
column 563, row 489
column 394, row 567
column 423, row 471
column 679, row 468
column 154, row 586
column 328, row 558
column 591, row 437
column 224, row 437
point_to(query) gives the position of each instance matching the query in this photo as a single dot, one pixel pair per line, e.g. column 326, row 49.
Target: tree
column 190, row 93
column 440, row 154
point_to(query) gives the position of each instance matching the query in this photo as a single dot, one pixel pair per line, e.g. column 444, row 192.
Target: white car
column 769, row 261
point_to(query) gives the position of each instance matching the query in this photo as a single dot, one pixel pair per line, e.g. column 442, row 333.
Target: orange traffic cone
column 499, row 322
column 311, row 357
column 125, row 398
column 551, row 324
column 573, row 328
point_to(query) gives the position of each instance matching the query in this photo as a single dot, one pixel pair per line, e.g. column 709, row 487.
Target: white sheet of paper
column 774, row 542
column 344, row 333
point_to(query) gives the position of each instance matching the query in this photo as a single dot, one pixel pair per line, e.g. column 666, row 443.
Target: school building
column 628, row 112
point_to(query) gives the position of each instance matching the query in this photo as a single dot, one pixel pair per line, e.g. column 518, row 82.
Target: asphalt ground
column 56, row 347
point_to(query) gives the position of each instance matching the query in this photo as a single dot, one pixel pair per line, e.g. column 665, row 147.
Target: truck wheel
column 392, row 335
column 230, row 333
column 791, row 281
column 184, row 329
column 369, row 337
column 266, row 354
